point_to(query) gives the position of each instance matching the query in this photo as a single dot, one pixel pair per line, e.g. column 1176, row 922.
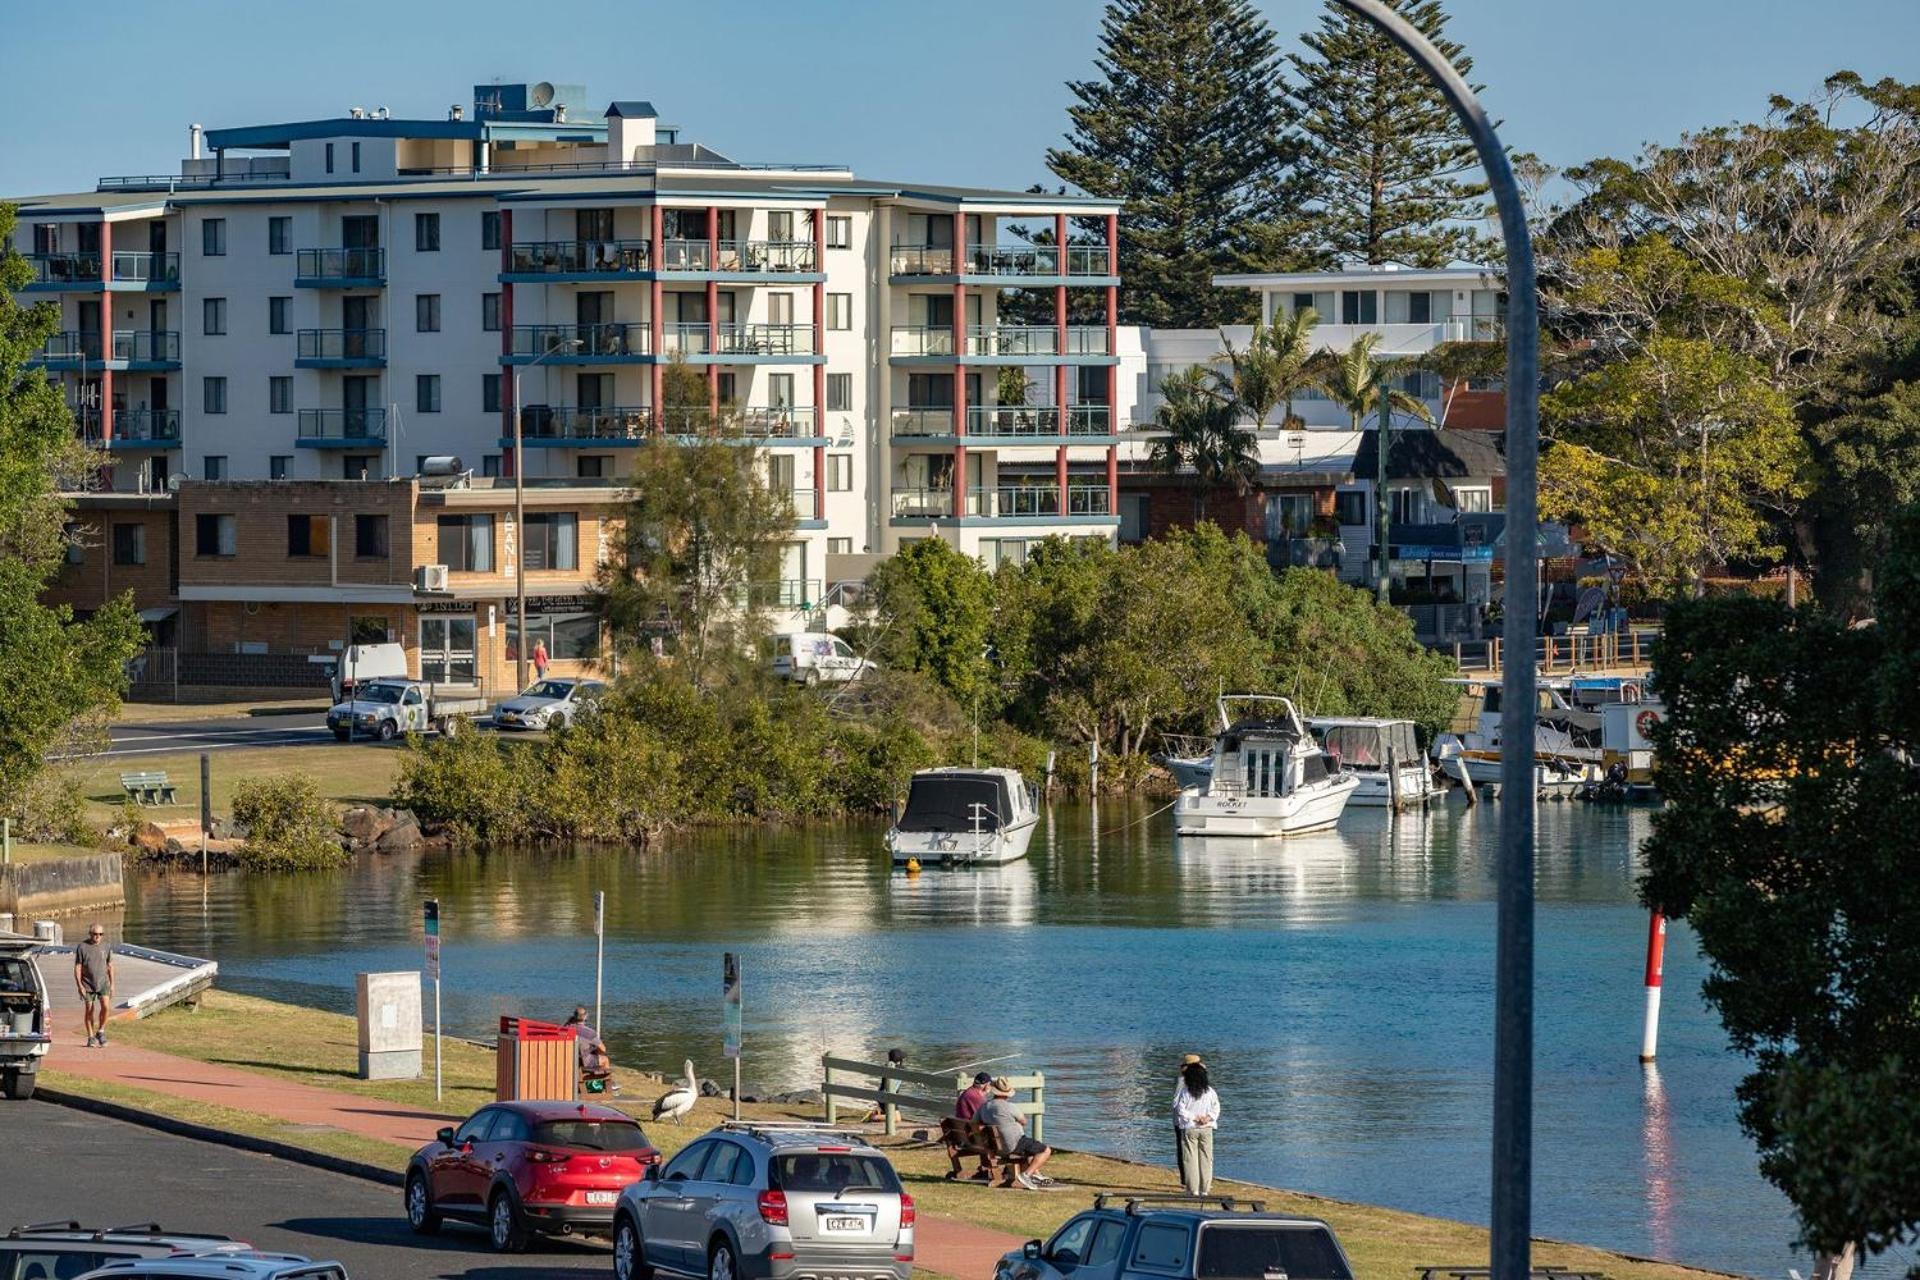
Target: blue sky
column 968, row 93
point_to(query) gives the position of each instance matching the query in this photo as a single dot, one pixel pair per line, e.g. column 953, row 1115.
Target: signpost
column 432, row 924
column 730, row 996
column 599, row 955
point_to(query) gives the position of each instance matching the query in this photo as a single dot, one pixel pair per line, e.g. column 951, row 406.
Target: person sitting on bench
column 966, row 1107
column 1024, row 1155
column 596, row 1068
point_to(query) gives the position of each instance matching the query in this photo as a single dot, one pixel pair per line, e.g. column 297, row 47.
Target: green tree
column 1392, row 169
column 1357, row 382
column 1186, row 124
column 74, row 669
column 1787, row 763
column 1202, row 437
column 1275, row 366
column 933, row 612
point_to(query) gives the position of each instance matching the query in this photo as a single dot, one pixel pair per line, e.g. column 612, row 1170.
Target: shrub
column 609, row 778
column 289, row 827
column 52, row 808
column 473, row 786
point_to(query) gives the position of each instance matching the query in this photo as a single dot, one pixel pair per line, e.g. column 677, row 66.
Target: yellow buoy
column 913, row 866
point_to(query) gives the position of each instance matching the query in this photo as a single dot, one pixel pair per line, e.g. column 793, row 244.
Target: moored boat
column 1363, row 746
column 964, row 818
column 1269, row 778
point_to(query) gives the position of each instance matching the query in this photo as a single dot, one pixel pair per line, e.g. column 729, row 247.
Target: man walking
column 93, row 979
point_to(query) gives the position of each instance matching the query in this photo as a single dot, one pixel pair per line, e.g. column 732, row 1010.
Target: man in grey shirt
column 1023, row 1154
column 93, row 979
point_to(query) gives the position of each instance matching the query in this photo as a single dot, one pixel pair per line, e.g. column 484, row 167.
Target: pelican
column 678, row 1102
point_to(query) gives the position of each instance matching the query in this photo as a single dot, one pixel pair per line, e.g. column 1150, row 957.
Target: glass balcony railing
column 740, row 339
column 1003, row 420
column 600, row 422
column 151, row 426
column 341, row 344
column 343, row 424
column 1013, row 260
column 771, row 256
column 582, row 340
column 144, row 346
column 785, row 593
column 65, row 268
column 578, row 257
column 1001, row 340
column 686, row 255
column 755, row 422
column 149, row 268
column 341, row 264
column 1005, row 502
column 70, row 345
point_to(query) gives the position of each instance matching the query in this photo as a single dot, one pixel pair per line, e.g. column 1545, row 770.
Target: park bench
column 971, row 1138
column 148, row 788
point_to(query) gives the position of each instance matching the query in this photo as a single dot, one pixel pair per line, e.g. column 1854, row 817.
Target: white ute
column 385, row 709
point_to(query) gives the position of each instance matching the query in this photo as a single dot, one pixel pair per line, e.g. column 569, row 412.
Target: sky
column 971, row 93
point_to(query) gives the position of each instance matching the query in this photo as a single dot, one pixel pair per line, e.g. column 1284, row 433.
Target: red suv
column 526, row 1168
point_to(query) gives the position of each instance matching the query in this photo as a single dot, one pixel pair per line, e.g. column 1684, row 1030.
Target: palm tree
column 1276, row 366
column 1203, row 435
column 1358, row 383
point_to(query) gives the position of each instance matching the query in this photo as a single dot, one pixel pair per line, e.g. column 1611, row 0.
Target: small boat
column 1269, row 778
column 1362, row 746
column 1188, row 757
column 1566, row 742
column 964, row 818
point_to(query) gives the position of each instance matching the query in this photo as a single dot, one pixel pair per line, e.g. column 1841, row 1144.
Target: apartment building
column 337, row 302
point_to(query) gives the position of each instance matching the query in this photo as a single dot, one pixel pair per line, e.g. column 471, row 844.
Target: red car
column 528, row 1168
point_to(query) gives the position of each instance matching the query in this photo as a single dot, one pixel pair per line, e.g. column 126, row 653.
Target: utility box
column 537, row 1062
column 388, row 1005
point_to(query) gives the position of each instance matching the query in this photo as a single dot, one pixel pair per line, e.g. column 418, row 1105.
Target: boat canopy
column 945, row 802
column 1365, row 746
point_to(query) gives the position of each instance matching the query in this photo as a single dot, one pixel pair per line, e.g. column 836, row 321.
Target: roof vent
column 379, row 113
column 455, row 111
column 356, row 113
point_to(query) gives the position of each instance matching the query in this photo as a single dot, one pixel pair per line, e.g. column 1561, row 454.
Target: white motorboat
column 1566, row 743
column 964, row 818
column 1269, row 778
column 1188, row 757
column 1363, row 746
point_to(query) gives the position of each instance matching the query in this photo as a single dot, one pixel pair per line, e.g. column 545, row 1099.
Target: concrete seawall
column 59, row 885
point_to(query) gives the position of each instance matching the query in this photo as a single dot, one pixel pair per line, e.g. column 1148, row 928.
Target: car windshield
column 556, row 689
column 386, row 693
column 591, row 1135
column 833, row 1172
column 1255, row 1253
column 14, row 977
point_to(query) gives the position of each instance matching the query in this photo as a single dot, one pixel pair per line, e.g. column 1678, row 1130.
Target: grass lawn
column 359, row 773
column 320, row 1049
column 23, row 852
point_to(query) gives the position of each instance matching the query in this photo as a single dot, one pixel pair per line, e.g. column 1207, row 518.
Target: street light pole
column 520, row 523
column 1513, row 981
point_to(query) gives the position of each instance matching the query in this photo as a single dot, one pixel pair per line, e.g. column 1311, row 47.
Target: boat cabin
column 1365, row 744
column 1262, row 758
column 955, row 801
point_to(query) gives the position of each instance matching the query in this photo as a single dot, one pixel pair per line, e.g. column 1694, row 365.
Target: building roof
column 1420, row 453
column 632, row 109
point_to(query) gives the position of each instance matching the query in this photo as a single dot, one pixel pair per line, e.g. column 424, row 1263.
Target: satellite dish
column 541, row 94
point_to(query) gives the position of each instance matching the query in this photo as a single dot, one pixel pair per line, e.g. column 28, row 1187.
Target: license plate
column 843, row 1224
column 602, row 1197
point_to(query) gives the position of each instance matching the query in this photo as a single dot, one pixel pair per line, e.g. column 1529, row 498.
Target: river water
column 1340, row 987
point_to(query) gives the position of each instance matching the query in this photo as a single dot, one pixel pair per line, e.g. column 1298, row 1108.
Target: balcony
column 587, row 259
column 747, row 424
column 785, row 593
column 1407, row 339
column 1005, row 502
column 146, row 429
column 581, row 343
column 1024, row 263
column 340, row 349
column 743, row 342
column 80, row 272
column 1019, row 423
column 340, row 269
column 138, row 349
column 767, row 257
column 341, row 428
column 563, row 425
column 1003, row 344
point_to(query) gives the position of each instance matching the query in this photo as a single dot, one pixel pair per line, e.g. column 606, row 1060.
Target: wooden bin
column 536, row 1062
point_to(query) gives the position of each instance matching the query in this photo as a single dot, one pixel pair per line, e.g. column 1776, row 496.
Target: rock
column 806, row 1096
column 708, row 1089
column 402, row 837
column 363, row 825
column 149, row 839
column 174, row 847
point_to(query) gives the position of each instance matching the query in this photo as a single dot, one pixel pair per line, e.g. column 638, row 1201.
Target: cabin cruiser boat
column 1362, row 747
column 1566, row 742
column 1269, row 777
column 1188, row 757
column 964, row 818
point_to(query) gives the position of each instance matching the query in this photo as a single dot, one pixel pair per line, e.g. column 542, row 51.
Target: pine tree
column 1186, row 124
column 1392, row 168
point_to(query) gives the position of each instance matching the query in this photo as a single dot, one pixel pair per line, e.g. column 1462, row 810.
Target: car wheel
column 19, row 1085
column 504, row 1228
column 629, row 1251
column 720, row 1262
column 389, row 731
column 449, row 726
column 420, row 1214
column 811, row 678
column 556, row 721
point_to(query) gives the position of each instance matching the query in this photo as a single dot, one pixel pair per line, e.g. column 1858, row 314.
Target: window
column 1107, row 1240
column 725, row 1154
column 839, row 392
column 1420, row 308
column 466, row 543
column 1068, row 1248
column 426, row 312
column 426, row 393
column 1289, row 515
column 1161, row 1246
column 1302, row 1251
column 1359, row 306
column 490, row 313
column 426, row 232
column 279, row 235
column 1350, row 507
column 309, row 535
column 329, row 157
column 1403, row 506
column 368, row 629
column 213, row 395
column 353, row 156
column 1473, row 499
column 360, row 466
column 839, row 546
column 213, row 535
column 279, row 395
column 839, row 311
column 370, row 539
column 839, row 232
column 213, row 467
column 129, row 544
column 995, row 552
column 280, row 466
column 490, row 229
column 839, row 473
column 490, row 393
column 551, row 541
column 213, row 237
column 490, row 463
column 779, row 308
column 277, row 321
column 592, row 467
column 213, row 315
column 684, row 1167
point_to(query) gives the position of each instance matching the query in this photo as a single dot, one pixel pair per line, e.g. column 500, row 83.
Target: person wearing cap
column 93, row 979
column 1179, row 1150
column 966, row 1107
column 1024, row 1155
column 1196, row 1114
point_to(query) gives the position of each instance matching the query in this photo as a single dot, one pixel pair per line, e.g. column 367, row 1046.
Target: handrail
column 578, row 257
column 585, row 168
column 341, row 344
column 343, row 424
column 1039, row 421
column 592, row 339
column 1000, row 340
column 1013, row 259
column 341, row 264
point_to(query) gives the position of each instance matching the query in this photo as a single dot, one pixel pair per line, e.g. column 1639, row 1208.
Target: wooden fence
column 892, row 1089
column 1568, row 654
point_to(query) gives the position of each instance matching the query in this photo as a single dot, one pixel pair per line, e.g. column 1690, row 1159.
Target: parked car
column 1180, row 1238
column 54, row 1249
column 248, row 1264
column 385, row 709
column 769, row 1202
column 813, row 656
column 359, row 663
column 550, row 704
column 528, row 1168
column 25, row 1035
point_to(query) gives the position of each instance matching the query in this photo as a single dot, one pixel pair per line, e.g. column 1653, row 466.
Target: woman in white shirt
column 1196, row 1114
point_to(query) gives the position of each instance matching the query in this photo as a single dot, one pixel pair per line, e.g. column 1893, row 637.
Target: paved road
column 63, row 1164
column 156, row 737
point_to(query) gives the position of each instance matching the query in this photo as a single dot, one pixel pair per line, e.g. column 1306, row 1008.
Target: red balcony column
column 713, row 308
column 510, row 377
column 656, row 302
column 106, row 337
column 820, row 370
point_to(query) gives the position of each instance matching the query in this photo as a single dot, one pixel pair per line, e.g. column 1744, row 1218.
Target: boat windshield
column 947, row 802
column 1365, row 746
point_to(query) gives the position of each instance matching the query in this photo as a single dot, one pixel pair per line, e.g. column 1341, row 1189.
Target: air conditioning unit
column 430, row 577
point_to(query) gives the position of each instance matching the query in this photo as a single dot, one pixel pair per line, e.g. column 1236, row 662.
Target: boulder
column 365, row 824
column 174, row 847
column 402, row 837
column 149, row 839
column 710, row 1089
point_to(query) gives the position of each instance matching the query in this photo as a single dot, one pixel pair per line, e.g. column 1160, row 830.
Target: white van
column 813, row 656
column 362, row 662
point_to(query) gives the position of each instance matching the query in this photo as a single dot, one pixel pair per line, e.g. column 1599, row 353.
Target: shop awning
column 159, row 614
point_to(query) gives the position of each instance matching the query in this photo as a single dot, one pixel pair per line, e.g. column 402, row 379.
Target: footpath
column 941, row 1244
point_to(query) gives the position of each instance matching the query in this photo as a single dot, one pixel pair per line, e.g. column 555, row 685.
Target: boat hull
column 1416, row 788
column 1485, row 770
column 991, row 849
column 1314, row 808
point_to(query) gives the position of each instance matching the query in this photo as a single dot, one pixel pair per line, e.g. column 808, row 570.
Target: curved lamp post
column 1513, row 982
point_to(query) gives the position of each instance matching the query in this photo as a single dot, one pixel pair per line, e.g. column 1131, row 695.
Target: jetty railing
column 933, row 1092
column 1569, row 653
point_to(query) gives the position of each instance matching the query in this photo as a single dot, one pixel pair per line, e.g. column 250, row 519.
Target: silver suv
column 767, row 1202
column 58, row 1249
